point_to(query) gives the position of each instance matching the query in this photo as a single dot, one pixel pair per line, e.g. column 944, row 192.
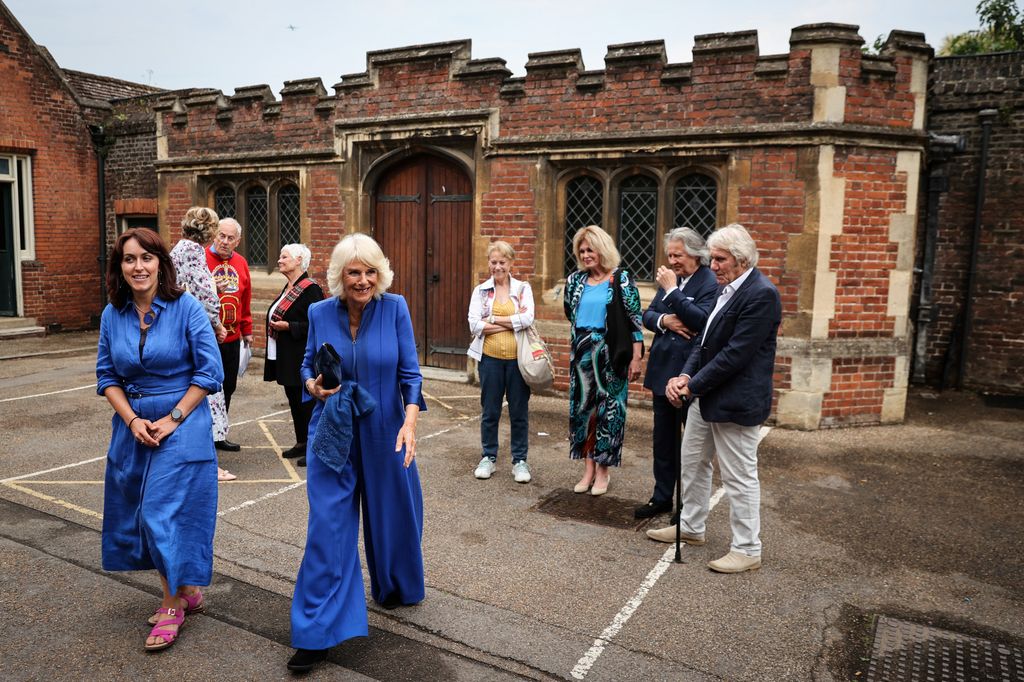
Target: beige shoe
column 668, row 534
column 735, row 562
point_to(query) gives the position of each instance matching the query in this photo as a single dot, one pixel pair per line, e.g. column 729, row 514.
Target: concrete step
column 21, row 332
column 16, row 322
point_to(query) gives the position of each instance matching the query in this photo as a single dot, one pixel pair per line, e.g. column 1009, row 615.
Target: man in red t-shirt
column 234, row 287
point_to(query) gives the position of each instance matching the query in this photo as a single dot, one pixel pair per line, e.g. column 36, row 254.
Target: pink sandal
column 177, row 617
column 194, row 603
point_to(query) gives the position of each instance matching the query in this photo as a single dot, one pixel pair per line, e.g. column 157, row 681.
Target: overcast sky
column 229, row 43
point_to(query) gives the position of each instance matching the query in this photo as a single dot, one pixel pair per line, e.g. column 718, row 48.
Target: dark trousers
column 229, row 352
column 301, row 412
column 500, row 379
column 666, row 441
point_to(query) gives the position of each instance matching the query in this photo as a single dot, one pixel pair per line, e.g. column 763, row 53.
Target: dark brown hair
column 118, row 290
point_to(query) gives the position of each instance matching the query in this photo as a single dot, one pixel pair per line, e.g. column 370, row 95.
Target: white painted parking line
column 41, row 395
column 249, row 503
column 248, row 421
column 588, row 659
column 47, row 471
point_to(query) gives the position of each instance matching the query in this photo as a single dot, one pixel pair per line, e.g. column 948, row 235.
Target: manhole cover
column 908, row 652
column 603, row 510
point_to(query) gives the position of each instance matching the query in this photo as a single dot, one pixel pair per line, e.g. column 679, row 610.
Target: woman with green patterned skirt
column 597, row 394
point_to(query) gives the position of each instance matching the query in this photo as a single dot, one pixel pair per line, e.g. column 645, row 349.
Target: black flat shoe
column 305, row 660
column 300, row 462
column 392, row 601
column 652, row 508
column 297, row 450
column 227, row 445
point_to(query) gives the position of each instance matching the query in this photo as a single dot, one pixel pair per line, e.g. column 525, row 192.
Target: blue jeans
column 500, row 379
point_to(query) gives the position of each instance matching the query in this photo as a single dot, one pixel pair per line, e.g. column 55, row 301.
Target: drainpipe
column 987, row 116
column 99, row 142
column 940, row 148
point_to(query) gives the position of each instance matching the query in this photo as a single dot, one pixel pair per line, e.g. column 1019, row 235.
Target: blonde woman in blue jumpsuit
column 372, row 332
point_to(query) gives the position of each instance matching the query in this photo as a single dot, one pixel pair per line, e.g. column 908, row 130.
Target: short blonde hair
column 600, row 242
column 299, row 251
column 199, row 225
column 363, row 248
column 502, row 247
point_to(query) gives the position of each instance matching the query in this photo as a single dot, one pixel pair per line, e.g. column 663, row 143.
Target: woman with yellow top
column 498, row 308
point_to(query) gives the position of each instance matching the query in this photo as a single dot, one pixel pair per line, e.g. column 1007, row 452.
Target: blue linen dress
column 160, row 504
column 329, row 605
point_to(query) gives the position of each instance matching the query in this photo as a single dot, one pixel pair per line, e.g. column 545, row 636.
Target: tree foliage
column 1002, row 29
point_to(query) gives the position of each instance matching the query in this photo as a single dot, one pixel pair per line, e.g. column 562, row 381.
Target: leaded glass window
column 584, row 205
column 288, row 214
column 696, row 203
column 638, row 224
column 224, row 203
column 256, row 218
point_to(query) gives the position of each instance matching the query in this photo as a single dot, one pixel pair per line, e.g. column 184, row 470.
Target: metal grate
column 584, row 205
column 256, row 219
column 696, row 203
column 638, row 222
column 288, row 214
column 224, row 202
column 908, row 652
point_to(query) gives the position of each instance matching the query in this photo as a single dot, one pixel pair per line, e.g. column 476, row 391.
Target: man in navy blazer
column 728, row 379
column 676, row 315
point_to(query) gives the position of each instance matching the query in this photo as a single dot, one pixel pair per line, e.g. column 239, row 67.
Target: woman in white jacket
column 498, row 308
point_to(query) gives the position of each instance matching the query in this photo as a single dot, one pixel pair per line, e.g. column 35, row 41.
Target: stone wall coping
column 247, row 93
column 825, row 33
column 566, row 60
column 484, row 68
column 736, row 41
column 304, row 86
column 453, row 49
column 638, row 52
column 907, row 41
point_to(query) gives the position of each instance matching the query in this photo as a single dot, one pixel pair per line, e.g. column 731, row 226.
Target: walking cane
column 677, row 444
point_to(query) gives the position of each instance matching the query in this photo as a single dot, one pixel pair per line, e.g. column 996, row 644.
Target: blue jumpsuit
column 329, row 605
column 160, row 504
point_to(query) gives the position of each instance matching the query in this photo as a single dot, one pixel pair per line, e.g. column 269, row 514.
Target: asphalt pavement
column 919, row 521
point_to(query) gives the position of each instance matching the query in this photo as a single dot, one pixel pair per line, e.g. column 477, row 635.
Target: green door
column 8, row 281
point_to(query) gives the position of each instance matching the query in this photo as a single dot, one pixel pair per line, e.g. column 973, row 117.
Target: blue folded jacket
column 332, row 441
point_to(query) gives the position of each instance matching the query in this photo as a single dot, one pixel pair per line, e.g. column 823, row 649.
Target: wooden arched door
column 423, row 215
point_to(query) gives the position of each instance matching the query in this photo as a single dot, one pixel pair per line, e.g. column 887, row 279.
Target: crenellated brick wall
column 817, row 152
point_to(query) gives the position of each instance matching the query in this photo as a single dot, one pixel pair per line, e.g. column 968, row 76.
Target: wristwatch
column 177, row 416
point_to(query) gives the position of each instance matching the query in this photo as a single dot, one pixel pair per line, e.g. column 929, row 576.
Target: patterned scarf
column 286, row 303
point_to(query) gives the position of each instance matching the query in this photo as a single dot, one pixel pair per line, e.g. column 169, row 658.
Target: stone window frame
column 666, row 173
column 271, row 184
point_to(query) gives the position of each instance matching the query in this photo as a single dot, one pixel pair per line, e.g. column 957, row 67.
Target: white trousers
column 736, row 447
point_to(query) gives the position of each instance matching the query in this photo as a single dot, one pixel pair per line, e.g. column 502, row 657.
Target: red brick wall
column 41, row 119
column 959, row 88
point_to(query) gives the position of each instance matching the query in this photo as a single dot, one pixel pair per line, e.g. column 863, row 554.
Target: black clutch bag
column 327, row 363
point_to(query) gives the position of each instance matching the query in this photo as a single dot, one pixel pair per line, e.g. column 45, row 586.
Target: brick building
column 976, row 116
column 49, row 183
column 818, row 151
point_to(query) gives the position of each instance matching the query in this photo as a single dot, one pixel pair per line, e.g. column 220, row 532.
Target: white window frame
column 26, row 251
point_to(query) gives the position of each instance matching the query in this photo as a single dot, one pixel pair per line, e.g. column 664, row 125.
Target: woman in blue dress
column 156, row 363
column 372, row 332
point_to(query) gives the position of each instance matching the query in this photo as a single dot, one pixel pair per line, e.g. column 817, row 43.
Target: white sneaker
column 521, row 472
column 485, row 468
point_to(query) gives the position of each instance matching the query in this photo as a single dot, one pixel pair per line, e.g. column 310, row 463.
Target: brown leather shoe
column 668, row 534
column 735, row 562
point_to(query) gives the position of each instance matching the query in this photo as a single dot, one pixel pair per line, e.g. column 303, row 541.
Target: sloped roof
column 104, row 88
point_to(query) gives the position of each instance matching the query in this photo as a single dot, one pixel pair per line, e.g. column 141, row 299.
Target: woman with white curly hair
column 287, row 326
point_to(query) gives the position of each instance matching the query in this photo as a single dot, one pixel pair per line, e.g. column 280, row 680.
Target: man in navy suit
column 676, row 315
column 728, row 379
